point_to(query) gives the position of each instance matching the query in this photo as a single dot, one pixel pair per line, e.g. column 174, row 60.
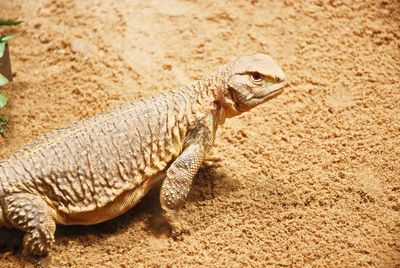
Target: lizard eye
column 256, row 77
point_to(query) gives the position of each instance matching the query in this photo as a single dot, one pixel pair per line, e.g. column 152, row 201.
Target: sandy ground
column 310, row 179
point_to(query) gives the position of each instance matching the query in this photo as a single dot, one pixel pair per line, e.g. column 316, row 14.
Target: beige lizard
column 98, row 168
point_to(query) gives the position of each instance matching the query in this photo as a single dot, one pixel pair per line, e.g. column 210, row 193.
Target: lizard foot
column 40, row 262
column 212, row 161
column 178, row 226
column 178, row 230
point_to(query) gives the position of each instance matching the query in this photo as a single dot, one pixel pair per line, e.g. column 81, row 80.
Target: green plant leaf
column 7, row 38
column 3, row 41
column 3, row 80
column 9, row 22
column 3, row 123
column 3, row 100
column 2, row 48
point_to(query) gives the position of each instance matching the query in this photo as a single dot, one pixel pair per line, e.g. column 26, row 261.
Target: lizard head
column 252, row 80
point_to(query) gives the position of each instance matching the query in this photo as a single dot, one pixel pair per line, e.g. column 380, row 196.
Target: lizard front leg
column 179, row 176
column 177, row 184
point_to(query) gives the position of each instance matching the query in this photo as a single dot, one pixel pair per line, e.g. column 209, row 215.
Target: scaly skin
column 98, row 168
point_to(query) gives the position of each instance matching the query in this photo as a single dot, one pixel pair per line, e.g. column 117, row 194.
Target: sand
column 309, row 179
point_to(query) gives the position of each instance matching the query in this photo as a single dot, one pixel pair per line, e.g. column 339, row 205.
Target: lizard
column 99, row 167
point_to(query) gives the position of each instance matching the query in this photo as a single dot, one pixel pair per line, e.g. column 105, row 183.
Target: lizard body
column 98, row 168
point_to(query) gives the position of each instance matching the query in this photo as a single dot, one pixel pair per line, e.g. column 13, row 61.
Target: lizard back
column 87, row 165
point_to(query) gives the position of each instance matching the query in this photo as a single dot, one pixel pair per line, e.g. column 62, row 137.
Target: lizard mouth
column 239, row 103
column 271, row 92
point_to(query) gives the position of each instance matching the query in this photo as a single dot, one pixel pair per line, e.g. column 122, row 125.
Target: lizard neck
column 208, row 96
column 217, row 86
column 200, row 103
